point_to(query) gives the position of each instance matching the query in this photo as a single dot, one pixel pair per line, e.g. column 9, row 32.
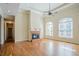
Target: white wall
column 2, row 27
column 35, row 18
column 71, row 11
column 21, row 26
column 37, row 22
column 24, row 22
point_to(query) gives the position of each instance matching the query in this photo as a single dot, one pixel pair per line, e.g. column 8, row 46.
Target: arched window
column 66, row 27
column 49, row 28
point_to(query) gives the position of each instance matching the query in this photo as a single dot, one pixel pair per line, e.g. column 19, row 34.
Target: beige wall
column 24, row 22
column 37, row 22
column 22, row 26
column 72, row 11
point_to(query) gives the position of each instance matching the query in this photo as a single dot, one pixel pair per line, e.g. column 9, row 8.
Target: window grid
column 49, row 29
column 66, row 28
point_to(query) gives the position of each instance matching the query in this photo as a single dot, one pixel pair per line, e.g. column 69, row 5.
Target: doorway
column 49, row 30
column 9, row 30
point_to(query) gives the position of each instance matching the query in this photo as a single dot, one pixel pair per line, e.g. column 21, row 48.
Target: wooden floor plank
column 40, row 47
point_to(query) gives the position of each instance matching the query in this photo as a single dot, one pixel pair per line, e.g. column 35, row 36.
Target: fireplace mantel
column 35, row 32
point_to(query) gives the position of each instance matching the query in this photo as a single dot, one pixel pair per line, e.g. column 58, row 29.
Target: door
column 49, row 30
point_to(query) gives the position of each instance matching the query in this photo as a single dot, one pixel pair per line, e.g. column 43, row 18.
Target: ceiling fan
column 50, row 11
column 55, row 10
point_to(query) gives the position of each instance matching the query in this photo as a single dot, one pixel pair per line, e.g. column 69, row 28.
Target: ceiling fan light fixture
column 49, row 13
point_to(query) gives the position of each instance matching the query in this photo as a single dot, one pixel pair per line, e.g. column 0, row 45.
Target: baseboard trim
column 22, row 41
column 64, row 41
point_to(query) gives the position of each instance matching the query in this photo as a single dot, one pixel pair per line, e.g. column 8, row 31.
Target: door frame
column 5, row 30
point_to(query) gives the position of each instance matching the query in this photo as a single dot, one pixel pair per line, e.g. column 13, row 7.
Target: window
column 66, row 28
column 49, row 28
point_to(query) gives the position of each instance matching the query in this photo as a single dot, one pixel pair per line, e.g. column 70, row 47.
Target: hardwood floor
column 39, row 47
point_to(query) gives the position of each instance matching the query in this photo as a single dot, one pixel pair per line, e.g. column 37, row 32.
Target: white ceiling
column 41, row 7
column 44, row 6
column 9, row 8
column 12, row 8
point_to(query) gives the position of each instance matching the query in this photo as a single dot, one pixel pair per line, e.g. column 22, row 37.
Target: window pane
column 49, row 29
column 65, row 28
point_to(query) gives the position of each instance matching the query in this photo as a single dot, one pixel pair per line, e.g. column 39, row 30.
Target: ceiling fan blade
column 51, row 13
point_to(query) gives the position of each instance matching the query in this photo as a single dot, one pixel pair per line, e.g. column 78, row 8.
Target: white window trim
column 63, row 21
